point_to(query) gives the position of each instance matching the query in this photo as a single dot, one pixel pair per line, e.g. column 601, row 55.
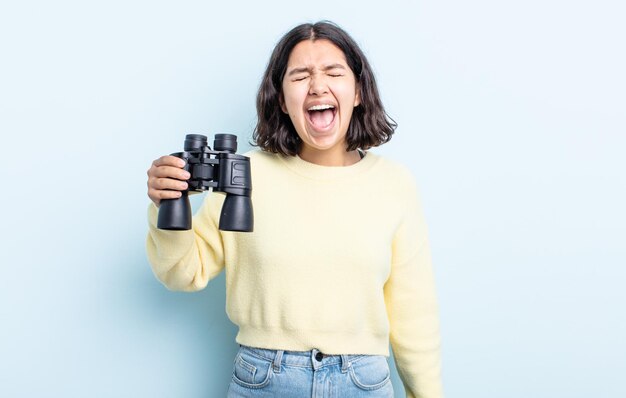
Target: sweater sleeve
column 412, row 305
column 187, row 260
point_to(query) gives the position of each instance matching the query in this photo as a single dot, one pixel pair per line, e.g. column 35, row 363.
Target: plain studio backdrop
column 511, row 116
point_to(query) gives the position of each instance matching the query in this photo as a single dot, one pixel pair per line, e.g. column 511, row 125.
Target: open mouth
column 321, row 117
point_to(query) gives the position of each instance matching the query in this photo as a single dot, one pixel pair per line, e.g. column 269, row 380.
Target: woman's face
column 319, row 94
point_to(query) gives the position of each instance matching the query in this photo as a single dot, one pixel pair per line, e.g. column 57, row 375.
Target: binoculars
column 221, row 169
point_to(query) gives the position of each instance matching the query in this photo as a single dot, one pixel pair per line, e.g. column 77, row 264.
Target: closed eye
column 299, row 79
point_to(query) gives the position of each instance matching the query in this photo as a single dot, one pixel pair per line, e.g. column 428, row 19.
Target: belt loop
column 277, row 360
column 314, row 361
column 345, row 364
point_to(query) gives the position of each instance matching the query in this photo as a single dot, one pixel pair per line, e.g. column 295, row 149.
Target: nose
column 318, row 85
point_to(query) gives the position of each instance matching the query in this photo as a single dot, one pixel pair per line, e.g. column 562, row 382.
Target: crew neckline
column 319, row 172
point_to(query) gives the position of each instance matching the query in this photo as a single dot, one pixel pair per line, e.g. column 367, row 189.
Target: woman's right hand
column 164, row 179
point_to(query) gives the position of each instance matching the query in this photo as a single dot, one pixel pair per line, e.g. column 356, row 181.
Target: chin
column 324, row 140
column 322, row 144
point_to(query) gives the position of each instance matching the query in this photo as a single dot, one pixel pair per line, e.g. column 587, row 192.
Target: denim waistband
column 307, row 359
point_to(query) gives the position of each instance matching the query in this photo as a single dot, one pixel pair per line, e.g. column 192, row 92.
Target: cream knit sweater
column 339, row 261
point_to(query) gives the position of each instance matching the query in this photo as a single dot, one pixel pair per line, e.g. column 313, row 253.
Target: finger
column 167, row 183
column 156, row 195
column 169, row 172
column 169, row 160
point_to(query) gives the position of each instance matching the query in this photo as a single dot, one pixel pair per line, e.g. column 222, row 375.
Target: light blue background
column 511, row 116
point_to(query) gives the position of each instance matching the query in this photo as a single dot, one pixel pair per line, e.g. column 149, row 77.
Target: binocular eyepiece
column 220, row 169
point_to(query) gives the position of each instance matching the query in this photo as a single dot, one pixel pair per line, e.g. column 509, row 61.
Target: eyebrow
column 327, row 67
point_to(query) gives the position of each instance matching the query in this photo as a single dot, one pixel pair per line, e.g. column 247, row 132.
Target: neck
column 336, row 157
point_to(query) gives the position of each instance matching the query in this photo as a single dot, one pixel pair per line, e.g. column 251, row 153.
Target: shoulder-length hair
column 370, row 125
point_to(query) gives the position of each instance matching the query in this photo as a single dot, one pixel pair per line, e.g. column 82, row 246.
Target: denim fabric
column 275, row 373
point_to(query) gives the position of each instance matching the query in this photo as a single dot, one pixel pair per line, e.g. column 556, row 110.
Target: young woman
column 338, row 265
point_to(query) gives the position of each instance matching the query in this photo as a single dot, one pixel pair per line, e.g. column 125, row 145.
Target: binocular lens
column 225, row 142
column 195, row 142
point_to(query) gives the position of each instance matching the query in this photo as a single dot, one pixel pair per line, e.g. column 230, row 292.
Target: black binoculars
column 221, row 169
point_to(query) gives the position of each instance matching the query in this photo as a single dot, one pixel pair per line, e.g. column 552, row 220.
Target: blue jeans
column 276, row 373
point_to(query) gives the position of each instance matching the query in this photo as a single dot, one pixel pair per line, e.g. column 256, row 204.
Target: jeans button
column 319, row 356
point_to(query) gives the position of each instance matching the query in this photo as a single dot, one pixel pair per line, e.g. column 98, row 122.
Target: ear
column 282, row 103
column 357, row 97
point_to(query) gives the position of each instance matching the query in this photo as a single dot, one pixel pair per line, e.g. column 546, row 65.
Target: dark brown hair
column 370, row 125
